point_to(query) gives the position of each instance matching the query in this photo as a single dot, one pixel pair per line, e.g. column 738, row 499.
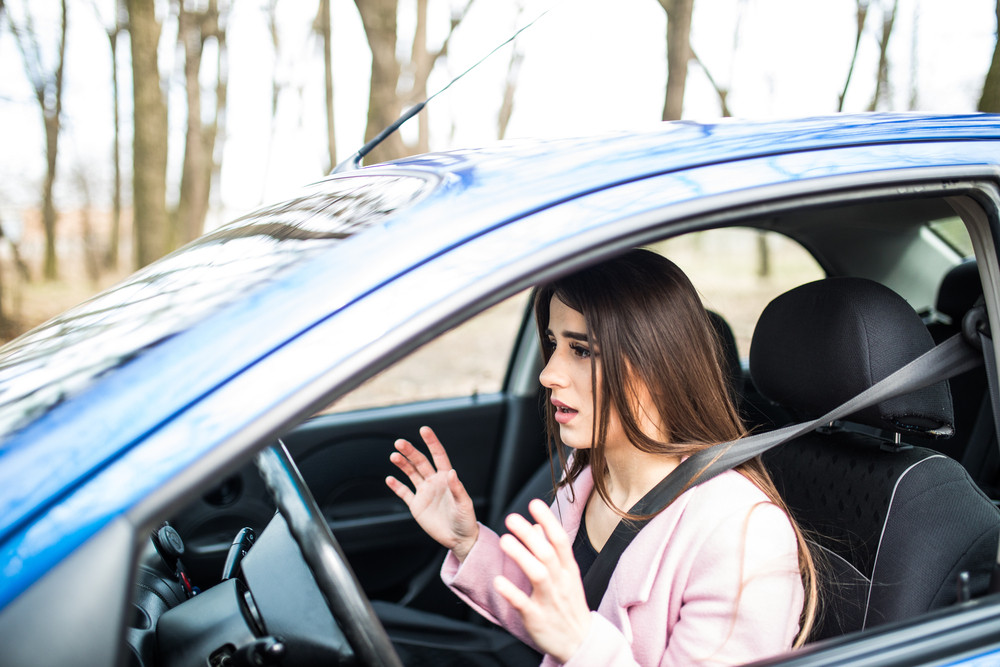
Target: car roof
column 65, row 428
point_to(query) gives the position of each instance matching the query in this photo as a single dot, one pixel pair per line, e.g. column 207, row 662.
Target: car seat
column 894, row 525
column 974, row 444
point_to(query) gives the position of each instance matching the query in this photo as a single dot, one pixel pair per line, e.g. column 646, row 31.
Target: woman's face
column 568, row 375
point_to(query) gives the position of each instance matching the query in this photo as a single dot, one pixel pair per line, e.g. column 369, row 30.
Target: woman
column 634, row 385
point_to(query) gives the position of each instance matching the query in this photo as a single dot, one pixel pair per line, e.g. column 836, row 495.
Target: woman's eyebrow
column 573, row 335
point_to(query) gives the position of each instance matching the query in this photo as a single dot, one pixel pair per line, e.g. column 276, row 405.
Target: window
column 470, row 359
column 739, row 270
column 955, row 234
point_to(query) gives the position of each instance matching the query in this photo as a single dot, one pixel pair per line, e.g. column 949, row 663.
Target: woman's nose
column 551, row 375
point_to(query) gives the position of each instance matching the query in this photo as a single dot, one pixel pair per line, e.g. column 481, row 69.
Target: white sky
column 589, row 66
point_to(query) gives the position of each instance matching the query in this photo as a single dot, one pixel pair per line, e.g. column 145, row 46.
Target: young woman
column 634, row 385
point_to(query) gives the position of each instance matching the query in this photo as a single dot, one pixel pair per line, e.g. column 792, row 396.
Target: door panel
column 344, row 459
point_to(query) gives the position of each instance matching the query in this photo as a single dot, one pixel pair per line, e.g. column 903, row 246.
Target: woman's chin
column 574, row 440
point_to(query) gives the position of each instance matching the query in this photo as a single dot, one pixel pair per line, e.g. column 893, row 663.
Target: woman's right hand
column 438, row 501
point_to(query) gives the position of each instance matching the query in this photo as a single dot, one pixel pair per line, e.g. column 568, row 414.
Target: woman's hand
column 439, row 501
column 555, row 614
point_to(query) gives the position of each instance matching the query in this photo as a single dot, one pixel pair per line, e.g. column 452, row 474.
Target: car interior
column 812, row 299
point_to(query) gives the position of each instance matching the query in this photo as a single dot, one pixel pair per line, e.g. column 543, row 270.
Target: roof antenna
column 354, row 162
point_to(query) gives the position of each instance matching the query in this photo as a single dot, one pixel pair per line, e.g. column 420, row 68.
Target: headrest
column 960, row 288
column 822, row 343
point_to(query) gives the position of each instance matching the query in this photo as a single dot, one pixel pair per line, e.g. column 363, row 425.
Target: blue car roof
column 62, row 423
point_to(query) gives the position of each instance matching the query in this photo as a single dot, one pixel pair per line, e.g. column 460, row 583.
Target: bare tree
column 324, row 29
column 393, row 82
column 379, row 20
column 912, row 102
column 149, row 143
column 89, row 246
column 271, row 14
column 679, row 14
column 509, row 88
column 882, row 80
column 510, row 82
column 110, row 259
column 990, row 99
column 195, row 28
column 720, row 91
column 47, row 84
column 861, row 16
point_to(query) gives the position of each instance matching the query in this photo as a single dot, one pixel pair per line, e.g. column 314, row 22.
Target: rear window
column 739, row 270
column 954, row 232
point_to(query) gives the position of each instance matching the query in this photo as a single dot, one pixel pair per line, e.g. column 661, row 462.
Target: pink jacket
column 711, row 580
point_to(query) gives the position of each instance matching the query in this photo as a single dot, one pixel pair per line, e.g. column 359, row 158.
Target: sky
column 590, row 66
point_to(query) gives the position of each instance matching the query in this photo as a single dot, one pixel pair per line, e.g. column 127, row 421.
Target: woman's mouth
column 564, row 414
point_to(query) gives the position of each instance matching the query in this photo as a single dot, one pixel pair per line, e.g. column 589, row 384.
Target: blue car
column 192, row 463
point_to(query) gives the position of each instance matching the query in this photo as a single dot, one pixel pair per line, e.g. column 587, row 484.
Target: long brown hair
column 652, row 330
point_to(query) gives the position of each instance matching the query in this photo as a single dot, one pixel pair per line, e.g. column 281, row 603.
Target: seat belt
column 951, row 357
column 976, row 329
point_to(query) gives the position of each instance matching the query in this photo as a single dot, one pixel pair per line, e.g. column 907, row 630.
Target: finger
column 457, row 489
column 554, row 532
column 517, row 598
column 533, row 537
column 533, row 569
column 415, row 457
column 406, row 468
column 400, row 489
column 438, row 453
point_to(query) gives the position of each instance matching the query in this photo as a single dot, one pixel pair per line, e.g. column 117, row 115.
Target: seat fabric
column 894, row 525
column 974, row 444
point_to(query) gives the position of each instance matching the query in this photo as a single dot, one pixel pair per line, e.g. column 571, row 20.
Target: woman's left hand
column 555, row 614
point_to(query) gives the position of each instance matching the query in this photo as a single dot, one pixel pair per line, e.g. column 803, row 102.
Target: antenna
column 354, row 162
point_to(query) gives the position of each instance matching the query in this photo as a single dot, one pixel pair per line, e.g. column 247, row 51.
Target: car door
column 462, row 385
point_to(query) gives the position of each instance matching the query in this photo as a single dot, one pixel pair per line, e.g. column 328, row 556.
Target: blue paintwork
column 103, row 450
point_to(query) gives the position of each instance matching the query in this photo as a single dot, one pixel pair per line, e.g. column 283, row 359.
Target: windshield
column 64, row 355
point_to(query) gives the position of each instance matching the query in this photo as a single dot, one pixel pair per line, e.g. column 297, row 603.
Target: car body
column 149, row 401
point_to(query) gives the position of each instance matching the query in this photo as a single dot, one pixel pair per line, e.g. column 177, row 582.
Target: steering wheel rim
column 324, row 558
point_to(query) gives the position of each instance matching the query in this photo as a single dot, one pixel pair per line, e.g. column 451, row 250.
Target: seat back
column 894, row 525
column 974, row 444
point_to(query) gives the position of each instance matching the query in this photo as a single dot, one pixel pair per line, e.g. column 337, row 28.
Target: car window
column 954, row 232
column 470, row 359
column 738, row 271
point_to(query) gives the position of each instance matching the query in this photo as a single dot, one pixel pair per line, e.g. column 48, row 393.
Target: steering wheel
column 324, row 558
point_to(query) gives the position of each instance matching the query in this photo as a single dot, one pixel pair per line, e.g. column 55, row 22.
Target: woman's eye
column 580, row 351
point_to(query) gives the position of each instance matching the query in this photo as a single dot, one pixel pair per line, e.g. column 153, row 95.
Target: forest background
column 129, row 127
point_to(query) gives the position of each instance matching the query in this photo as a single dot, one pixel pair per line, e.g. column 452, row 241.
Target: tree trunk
column 216, row 134
column 201, row 164
column 325, row 30
column 385, row 102
column 50, row 270
column 421, row 63
column 48, row 89
column 192, row 30
column 989, row 101
column 509, row 88
column 860, row 15
column 678, row 54
column 149, row 179
column 882, row 81
column 379, row 19
column 271, row 12
column 111, row 256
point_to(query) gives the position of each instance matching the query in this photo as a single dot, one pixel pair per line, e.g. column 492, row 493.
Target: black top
column 583, row 551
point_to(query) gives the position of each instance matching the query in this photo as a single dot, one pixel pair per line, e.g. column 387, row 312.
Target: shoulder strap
column 951, row 357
